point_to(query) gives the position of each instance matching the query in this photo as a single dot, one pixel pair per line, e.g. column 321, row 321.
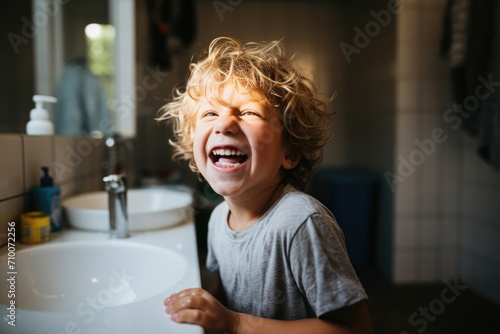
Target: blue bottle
column 47, row 198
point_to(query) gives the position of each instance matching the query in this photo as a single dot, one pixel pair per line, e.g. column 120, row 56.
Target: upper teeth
column 222, row 151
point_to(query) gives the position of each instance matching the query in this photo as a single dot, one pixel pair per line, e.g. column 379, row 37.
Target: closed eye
column 250, row 113
column 208, row 113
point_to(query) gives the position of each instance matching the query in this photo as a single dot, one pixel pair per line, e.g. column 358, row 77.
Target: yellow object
column 35, row 227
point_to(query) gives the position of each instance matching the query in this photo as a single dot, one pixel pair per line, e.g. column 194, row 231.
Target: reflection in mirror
column 79, row 58
column 86, row 87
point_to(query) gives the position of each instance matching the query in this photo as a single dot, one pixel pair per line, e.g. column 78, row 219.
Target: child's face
column 238, row 146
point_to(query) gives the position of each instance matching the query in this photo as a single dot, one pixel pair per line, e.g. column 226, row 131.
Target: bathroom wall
column 446, row 221
column 74, row 163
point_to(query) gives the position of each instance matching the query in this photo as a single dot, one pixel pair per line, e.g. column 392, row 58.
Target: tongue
column 228, row 160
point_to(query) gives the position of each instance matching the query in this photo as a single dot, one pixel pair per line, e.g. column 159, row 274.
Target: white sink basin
column 148, row 209
column 85, row 275
column 83, row 282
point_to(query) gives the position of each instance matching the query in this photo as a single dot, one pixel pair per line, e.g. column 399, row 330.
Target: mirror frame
column 49, row 57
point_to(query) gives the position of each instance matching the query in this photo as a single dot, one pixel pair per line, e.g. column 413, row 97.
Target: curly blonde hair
column 261, row 69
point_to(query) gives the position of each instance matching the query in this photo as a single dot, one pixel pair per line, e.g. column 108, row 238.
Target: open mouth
column 227, row 157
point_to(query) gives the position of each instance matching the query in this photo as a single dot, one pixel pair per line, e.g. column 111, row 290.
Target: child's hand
column 197, row 306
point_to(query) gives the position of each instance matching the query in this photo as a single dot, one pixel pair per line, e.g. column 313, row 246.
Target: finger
column 185, row 293
column 191, row 316
column 192, row 301
column 191, row 291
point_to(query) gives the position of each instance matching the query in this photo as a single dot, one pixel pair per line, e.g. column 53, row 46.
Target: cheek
column 268, row 138
column 198, row 145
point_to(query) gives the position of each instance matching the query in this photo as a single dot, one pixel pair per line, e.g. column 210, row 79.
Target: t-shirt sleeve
column 321, row 266
column 211, row 261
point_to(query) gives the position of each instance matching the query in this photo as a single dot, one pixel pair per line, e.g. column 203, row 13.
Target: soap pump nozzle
column 40, row 99
column 46, row 180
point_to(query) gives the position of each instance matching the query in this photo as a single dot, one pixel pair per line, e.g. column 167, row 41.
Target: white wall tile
column 450, row 233
column 428, row 266
column 407, row 233
column 450, row 178
column 430, row 144
column 11, row 166
column 429, row 232
column 449, row 263
column 406, row 266
column 406, row 196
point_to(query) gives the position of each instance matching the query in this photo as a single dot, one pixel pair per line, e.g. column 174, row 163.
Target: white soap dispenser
column 40, row 123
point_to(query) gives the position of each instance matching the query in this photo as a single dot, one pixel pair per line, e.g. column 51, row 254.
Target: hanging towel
column 172, row 25
column 489, row 127
column 466, row 43
column 81, row 107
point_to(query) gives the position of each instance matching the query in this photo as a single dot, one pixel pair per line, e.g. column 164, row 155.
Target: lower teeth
column 227, row 164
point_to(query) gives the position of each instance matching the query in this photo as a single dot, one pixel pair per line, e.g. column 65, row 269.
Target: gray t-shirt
column 291, row 264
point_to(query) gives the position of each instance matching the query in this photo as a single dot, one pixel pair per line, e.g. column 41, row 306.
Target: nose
column 227, row 125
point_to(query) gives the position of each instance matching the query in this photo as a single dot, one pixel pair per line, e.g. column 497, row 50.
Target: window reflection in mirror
column 85, row 90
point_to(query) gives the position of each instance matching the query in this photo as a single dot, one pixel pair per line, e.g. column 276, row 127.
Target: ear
column 290, row 161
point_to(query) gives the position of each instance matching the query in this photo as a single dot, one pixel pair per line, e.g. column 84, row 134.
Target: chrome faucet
column 116, row 186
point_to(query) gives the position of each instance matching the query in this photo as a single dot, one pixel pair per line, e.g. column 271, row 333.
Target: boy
column 252, row 126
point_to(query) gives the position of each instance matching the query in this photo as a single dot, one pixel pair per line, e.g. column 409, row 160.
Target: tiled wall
column 74, row 162
column 426, row 212
column 447, row 202
column 479, row 225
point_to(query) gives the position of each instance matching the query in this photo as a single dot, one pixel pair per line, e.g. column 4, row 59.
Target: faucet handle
column 115, row 182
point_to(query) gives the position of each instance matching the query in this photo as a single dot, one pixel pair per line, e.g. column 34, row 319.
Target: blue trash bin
column 350, row 194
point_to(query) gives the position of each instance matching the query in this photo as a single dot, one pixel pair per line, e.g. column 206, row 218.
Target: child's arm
column 197, row 306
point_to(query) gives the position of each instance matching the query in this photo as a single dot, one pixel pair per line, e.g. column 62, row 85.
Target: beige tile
column 10, row 211
column 38, row 152
column 68, row 163
column 92, row 151
column 11, row 166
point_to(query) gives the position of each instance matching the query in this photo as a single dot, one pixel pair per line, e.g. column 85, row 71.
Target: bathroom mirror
column 45, row 36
